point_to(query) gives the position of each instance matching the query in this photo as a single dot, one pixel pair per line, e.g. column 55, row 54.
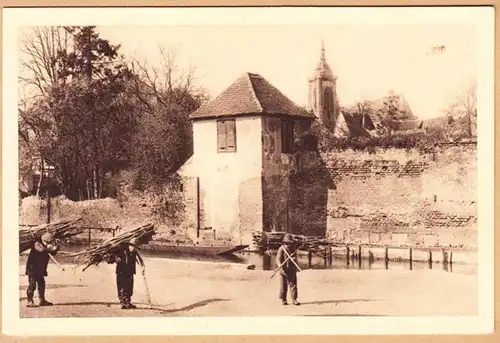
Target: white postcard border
column 483, row 18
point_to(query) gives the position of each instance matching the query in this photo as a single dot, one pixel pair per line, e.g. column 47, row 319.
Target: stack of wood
column 272, row 240
column 95, row 255
column 61, row 230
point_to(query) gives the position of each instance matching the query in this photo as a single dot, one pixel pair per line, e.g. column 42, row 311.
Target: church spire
column 323, row 70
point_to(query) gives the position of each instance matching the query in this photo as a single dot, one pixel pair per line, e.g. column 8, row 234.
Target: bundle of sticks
column 95, row 255
column 272, row 240
column 61, row 230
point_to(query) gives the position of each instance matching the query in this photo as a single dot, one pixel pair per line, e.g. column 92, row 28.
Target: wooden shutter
column 230, row 135
column 221, row 136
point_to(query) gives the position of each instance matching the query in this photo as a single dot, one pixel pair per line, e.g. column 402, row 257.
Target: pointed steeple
column 323, row 70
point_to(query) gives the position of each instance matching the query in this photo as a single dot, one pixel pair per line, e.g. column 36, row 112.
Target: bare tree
column 462, row 113
column 166, row 94
column 40, row 49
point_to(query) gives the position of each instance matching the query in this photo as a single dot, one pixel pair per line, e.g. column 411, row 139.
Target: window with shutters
column 226, row 135
column 287, row 139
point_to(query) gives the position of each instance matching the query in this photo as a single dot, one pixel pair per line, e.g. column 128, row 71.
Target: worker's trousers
column 288, row 281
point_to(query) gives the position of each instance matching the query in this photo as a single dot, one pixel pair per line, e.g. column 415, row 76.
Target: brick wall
column 401, row 197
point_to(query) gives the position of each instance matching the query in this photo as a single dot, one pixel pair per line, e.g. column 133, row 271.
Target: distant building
column 349, row 122
column 323, row 100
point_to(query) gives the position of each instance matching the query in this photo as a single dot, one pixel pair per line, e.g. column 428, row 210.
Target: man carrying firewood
column 36, row 268
column 286, row 259
column 126, row 260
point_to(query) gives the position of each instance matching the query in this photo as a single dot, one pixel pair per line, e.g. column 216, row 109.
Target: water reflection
column 267, row 261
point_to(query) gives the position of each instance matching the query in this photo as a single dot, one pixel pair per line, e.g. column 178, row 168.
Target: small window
column 226, row 135
column 287, row 138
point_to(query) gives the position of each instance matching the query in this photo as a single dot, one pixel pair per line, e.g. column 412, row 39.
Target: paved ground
column 182, row 288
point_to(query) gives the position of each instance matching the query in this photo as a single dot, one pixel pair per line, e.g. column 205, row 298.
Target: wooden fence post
column 309, row 257
column 347, row 255
column 359, row 257
column 411, row 259
column 386, row 257
column 90, row 237
column 430, row 259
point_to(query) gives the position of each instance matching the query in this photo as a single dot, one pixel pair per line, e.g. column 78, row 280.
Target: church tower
column 323, row 93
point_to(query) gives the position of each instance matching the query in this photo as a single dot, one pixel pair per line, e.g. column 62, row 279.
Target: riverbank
column 190, row 288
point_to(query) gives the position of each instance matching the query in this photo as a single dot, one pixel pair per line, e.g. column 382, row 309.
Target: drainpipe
column 197, row 207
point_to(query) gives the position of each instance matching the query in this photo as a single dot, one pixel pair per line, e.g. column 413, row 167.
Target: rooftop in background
column 250, row 94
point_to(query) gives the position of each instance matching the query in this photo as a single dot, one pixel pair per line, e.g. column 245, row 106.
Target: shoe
column 296, row 303
column 31, row 304
column 132, row 306
column 125, row 307
column 45, row 303
column 283, row 302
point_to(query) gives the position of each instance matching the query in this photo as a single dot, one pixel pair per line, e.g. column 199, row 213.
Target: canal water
column 267, row 261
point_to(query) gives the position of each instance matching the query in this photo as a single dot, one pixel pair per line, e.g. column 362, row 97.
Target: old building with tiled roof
column 240, row 176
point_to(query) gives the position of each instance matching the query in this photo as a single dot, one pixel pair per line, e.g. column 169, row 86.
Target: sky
column 368, row 60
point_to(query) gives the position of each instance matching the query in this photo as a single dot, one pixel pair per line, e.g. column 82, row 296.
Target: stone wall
column 403, row 197
column 279, row 178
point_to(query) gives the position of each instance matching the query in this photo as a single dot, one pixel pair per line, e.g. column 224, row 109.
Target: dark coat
column 126, row 261
column 38, row 259
column 288, row 268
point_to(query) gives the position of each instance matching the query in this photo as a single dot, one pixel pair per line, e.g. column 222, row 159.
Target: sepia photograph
column 264, row 163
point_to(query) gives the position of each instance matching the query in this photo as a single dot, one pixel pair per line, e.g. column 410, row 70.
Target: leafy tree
column 393, row 110
column 81, row 119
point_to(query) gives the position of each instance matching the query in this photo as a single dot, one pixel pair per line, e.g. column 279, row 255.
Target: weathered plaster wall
column 230, row 183
column 293, row 200
column 276, row 170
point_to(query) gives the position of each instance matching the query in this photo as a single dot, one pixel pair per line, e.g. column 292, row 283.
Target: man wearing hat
column 36, row 268
column 126, row 260
column 288, row 271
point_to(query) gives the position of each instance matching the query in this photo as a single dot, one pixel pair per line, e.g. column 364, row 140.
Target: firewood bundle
column 272, row 240
column 95, row 255
column 61, row 230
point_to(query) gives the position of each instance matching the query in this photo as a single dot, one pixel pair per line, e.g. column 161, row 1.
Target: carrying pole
column 55, row 261
column 147, row 288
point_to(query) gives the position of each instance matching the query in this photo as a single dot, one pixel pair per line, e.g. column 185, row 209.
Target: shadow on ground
column 342, row 315
column 144, row 306
column 52, row 286
column 336, row 302
column 192, row 306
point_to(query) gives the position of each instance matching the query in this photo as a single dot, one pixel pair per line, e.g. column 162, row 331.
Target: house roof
column 250, row 94
column 436, row 122
column 353, row 124
column 410, row 125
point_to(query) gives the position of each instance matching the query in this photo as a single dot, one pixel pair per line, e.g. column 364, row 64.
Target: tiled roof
column 410, row 125
column 250, row 94
column 354, row 126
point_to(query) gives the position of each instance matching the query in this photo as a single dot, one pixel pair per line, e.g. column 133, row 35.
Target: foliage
column 163, row 141
column 463, row 114
column 79, row 120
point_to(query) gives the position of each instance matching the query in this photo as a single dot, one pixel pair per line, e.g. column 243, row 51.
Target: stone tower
column 323, row 93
